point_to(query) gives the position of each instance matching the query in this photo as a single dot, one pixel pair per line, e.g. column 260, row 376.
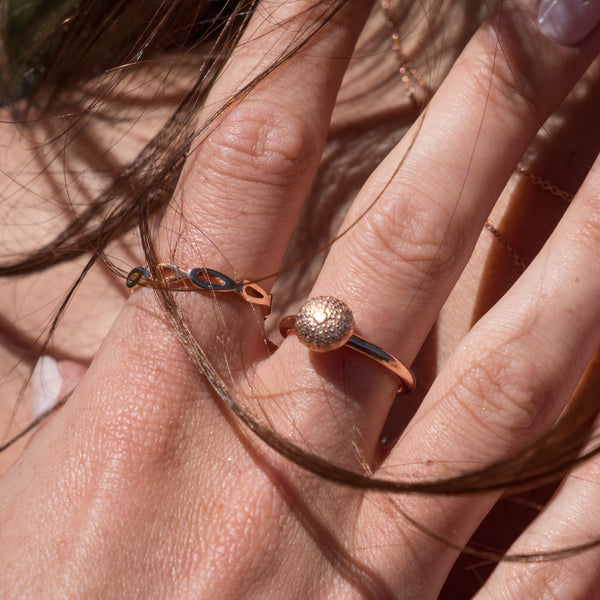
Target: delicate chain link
column 546, row 185
column 543, row 184
column 409, row 75
column 512, row 253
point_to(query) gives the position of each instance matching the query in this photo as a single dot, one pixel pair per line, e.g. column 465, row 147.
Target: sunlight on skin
column 150, row 421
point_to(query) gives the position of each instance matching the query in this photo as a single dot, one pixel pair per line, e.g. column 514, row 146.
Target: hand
column 145, row 484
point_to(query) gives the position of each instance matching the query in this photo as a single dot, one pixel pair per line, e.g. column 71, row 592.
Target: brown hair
column 77, row 76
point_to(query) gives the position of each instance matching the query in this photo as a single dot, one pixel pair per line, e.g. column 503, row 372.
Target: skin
column 144, row 484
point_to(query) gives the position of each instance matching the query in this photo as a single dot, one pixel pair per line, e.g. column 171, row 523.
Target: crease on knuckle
column 542, row 580
column 417, row 234
column 258, row 143
column 503, row 394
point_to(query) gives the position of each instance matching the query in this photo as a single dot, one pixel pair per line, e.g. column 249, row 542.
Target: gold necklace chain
column 512, row 253
column 409, row 75
column 543, row 184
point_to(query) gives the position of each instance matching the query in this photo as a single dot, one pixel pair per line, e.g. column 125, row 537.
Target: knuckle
column 543, row 580
column 417, row 234
column 503, row 394
column 137, row 437
column 258, row 143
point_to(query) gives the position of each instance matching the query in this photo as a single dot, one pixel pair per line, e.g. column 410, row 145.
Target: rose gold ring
column 325, row 323
column 168, row 276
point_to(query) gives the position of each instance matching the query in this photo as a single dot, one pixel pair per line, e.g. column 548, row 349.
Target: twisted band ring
column 174, row 278
column 325, row 323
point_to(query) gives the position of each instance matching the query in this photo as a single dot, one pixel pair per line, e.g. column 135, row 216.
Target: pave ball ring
column 325, row 323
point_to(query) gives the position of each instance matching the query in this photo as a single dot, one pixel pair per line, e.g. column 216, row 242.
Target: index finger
column 246, row 178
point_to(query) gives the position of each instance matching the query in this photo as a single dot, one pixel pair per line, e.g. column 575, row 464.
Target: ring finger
column 506, row 384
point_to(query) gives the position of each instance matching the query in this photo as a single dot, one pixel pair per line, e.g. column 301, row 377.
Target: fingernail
column 568, row 22
column 46, row 384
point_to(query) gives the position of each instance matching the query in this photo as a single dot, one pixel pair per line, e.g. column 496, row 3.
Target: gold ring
column 171, row 277
column 325, row 323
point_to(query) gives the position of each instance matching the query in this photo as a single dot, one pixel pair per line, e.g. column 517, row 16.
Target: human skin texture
column 145, row 485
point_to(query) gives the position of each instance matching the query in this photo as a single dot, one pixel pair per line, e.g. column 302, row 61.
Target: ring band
column 325, row 323
column 208, row 280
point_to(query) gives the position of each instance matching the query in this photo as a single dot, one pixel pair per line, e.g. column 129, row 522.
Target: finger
column 560, row 534
column 563, row 525
column 410, row 239
column 409, row 248
column 575, row 577
column 244, row 182
column 510, row 378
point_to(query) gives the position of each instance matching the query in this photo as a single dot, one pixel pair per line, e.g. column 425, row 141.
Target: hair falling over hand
column 164, row 440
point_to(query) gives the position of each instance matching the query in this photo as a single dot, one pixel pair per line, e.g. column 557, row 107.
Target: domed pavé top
column 324, row 323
